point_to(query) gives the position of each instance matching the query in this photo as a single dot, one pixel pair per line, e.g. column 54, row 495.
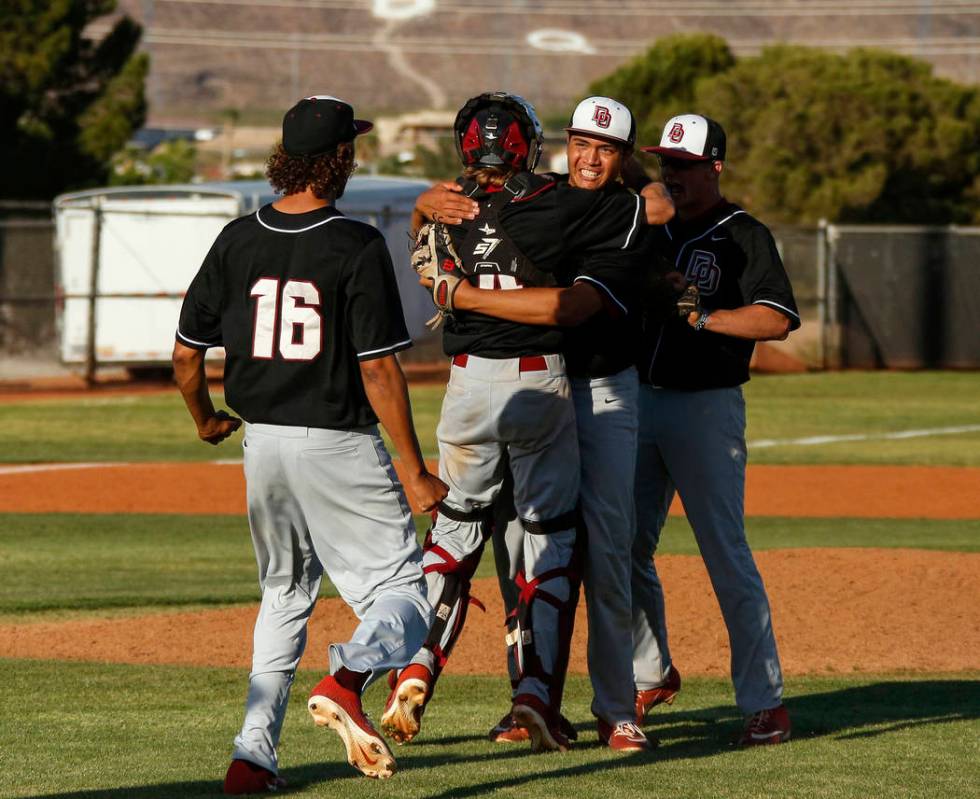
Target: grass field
column 89, row 730
column 136, row 732
column 153, row 561
column 157, row 428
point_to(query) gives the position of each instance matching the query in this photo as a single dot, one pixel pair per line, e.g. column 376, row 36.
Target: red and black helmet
column 498, row 129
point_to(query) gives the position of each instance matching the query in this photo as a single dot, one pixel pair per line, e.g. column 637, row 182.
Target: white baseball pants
column 325, row 500
column 494, row 412
column 606, row 426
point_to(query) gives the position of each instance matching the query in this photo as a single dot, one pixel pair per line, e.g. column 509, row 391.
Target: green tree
column 438, row 163
column 67, row 102
column 169, row 162
column 869, row 136
column 662, row 82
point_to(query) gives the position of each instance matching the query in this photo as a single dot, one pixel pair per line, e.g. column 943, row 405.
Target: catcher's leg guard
column 454, row 598
column 508, row 550
column 520, row 632
column 414, row 686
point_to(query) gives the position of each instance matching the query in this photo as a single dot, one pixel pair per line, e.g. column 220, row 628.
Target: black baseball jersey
column 605, row 344
column 732, row 259
column 549, row 223
column 296, row 300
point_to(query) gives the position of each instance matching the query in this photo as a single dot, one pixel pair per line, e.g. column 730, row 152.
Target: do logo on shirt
column 703, row 271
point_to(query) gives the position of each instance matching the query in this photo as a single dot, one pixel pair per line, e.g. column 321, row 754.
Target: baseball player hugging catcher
column 597, row 301
column 508, row 401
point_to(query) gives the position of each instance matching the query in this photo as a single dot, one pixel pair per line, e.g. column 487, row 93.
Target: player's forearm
column 192, row 382
column 754, row 322
column 532, row 306
column 659, row 205
column 387, row 391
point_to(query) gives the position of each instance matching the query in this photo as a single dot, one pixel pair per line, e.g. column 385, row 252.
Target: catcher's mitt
column 434, row 257
column 689, row 302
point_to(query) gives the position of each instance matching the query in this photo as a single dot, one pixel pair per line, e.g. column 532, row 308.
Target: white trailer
column 125, row 256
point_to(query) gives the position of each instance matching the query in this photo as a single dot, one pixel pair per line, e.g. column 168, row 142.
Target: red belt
column 528, row 363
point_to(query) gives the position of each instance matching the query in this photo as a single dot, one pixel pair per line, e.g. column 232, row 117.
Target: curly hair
column 488, row 175
column 325, row 174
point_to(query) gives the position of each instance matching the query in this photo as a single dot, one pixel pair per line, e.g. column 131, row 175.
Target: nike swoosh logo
column 717, row 238
column 610, row 400
column 756, row 736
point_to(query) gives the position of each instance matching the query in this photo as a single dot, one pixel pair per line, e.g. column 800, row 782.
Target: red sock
column 351, row 680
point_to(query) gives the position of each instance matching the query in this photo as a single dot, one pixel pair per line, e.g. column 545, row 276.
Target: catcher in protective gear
column 508, row 397
column 499, row 130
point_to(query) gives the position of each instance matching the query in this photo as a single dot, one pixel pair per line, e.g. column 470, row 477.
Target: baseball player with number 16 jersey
column 305, row 303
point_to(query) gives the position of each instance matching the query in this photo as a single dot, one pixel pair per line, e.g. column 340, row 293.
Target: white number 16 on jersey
column 301, row 328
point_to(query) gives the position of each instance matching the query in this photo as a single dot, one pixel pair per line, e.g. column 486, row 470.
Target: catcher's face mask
column 498, row 130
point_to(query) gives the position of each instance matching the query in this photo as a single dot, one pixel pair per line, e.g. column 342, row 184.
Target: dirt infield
column 835, row 611
column 934, row 492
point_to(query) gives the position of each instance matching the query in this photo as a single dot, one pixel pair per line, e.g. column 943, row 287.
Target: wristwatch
column 702, row 320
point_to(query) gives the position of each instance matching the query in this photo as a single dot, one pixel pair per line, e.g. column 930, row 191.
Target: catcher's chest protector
column 488, row 253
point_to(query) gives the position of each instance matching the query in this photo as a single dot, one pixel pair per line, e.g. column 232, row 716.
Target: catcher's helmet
column 498, row 129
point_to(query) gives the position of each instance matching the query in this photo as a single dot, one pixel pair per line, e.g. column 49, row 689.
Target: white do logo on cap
column 604, row 118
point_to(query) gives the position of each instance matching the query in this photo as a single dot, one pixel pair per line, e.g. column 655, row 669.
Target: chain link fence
column 27, row 301
column 869, row 296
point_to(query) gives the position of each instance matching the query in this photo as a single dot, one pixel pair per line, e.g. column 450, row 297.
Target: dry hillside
column 397, row 55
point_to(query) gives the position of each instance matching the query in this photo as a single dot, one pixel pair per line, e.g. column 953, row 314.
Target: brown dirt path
column 835, row 611
column 934, row 492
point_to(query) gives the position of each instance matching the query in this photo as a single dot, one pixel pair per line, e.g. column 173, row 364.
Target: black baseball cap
column 316, row 125
column 691, row 137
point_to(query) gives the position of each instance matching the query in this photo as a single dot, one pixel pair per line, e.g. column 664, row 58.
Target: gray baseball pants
column 325, row 500
column 495, row 412
column 606, row 426
column 693, row 442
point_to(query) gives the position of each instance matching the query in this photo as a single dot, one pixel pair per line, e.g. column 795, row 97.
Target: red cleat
column 766, row 727
column 506, row 731
column 402, row 718
column 624, row 737
column 244, row 777
column 541, row 722
column 339, row 708
column 662, row 694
